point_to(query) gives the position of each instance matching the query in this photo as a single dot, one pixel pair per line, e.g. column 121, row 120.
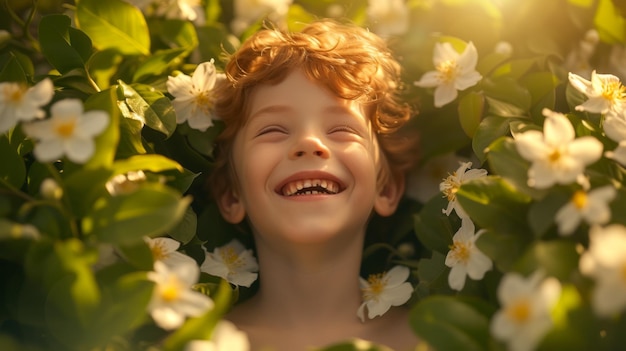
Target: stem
column 14, row 191
column 65, row 207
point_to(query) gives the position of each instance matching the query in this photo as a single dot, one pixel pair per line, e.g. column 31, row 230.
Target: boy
column 311, row 147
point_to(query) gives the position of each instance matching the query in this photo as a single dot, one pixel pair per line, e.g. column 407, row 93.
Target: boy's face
column 306, row 163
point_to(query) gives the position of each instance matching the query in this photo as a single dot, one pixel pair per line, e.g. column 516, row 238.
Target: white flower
column 615, row 128
column 465, row 258
column 125, row 183
column 50, row 189
column 190, row 10
column 21, row 103
column 69, row 131
column 225, row 337
column 503, row 47
column 452, row 72
column 164, row 250
column 524, row 316
column 424, row 182
column 381, row 291
column 605, row 262
column 389, row 17
column 453, row 182
column 591, row 206
column 557, row 156
column 173, row 299
column 250, row 11
column 605, row 92
column 193, row 96
column 233, row 263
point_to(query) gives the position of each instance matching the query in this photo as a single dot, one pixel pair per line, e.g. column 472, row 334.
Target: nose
column 309, row 146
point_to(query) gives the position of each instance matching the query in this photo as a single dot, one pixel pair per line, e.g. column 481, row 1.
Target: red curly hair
column 350, row 61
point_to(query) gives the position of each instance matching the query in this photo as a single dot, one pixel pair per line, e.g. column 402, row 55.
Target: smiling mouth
column 310, row 187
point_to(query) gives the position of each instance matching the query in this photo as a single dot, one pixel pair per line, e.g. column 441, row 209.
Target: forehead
column 297, row 93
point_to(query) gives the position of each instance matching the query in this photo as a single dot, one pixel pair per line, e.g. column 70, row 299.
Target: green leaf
column 505, row 161
column 123, row 219
column 490, row 129
column 159, row 63
column 106, row 142
column 149, row 162
column 151, row 106
column 558, row 258
column 541, row 213
column 201, row 327
column 114, row 24
column 65, row 47
column 214, row 40
column 503, row 249
column 471, row 108
column 131, row 141
column 123, row 307
column 509, row 91
column 175, row 33
column 12, row 168
column 504, row 109
column 493, row 203
column 575, row 326
column 103, row 66
column 541, row 85
column 74, row 294
column 17, row 67
column 446, row 323
column 433, row 228
column 610, row 24
column 84, row 186
column 185, row 230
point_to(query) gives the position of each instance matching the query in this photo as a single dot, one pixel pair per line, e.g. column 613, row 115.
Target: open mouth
column 310, row 187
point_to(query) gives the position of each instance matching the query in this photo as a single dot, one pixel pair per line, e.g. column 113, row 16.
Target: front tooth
column 307, row 183
column 324, row 184
column 332, row 187
column 299, row 185
column 316, row 182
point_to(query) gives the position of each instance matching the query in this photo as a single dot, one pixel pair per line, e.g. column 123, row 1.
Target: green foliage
column 58, row 220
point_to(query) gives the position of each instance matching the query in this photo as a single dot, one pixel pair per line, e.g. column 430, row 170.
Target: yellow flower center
column 158, row 251
column 447, row 70
column 451, row 187
column 203, row 102
column 14, row 93
column 580, row 199
column 519, row 311
column 460, row 251
column 613, row 91
column 230, row 258
column 65, row 129
column 555, row 156
column 170, row 291
column 377, row 284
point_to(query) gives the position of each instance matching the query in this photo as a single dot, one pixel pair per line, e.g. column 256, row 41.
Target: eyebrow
column 271, row 109
column 276, row 109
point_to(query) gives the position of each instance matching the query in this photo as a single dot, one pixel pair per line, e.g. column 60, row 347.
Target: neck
column 310, row 284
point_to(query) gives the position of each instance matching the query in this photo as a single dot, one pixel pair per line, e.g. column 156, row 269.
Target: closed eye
column 343, row 128
column 271, row 129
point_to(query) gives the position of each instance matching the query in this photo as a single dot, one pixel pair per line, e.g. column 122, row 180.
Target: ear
column 231, row 207
column 389, row 196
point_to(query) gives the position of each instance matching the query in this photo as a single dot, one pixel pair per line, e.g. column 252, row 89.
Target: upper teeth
column 310, row 186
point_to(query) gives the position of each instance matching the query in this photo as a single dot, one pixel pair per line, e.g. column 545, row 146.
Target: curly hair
column 350, row 61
